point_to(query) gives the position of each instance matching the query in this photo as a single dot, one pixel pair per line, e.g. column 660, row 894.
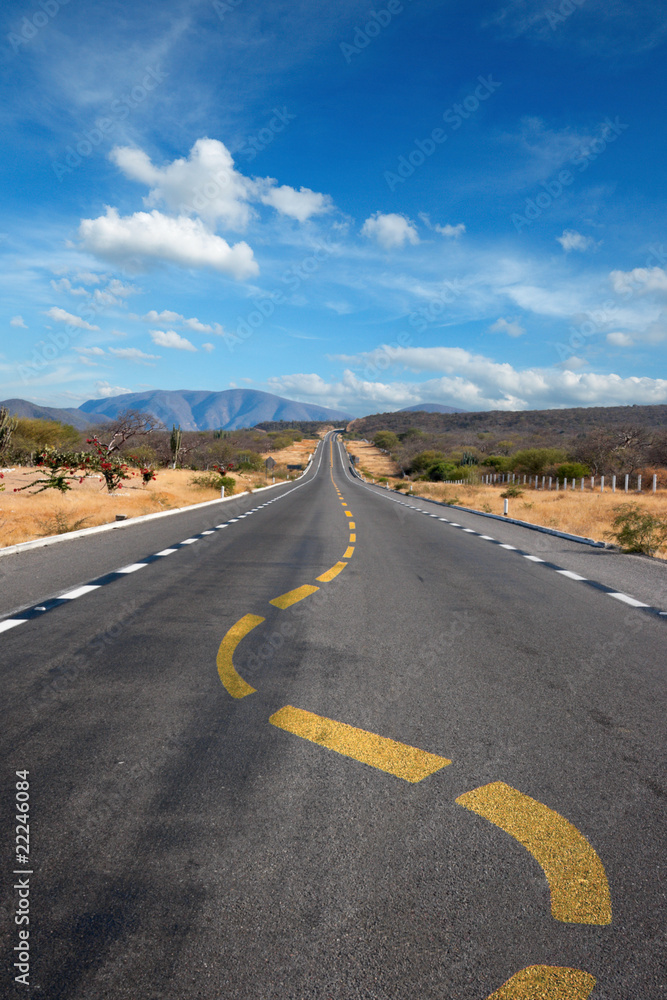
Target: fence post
column 592, row 482
column 627, row 478
column 655, row 482
column 601, row 484
column 557, row 484
column 582, row 484
column 639, row 484
column 550, row 482
column 543, row 481
column 613, row 484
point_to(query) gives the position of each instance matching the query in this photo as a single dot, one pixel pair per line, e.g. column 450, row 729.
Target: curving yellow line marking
column 577, row 879
column 349, row 552
column 231, row 680
column 546, row 982
column 331, row 573
column 293, row 596
column 387, row 755
column 348, row 513
column 353, row 537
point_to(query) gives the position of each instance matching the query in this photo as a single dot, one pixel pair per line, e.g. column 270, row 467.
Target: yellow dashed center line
column 353, row 537
column 293, row 596
column 231, row 680
column 546, row 982
column 348, row 513
column 577, row 879
column 349, row 552
column 352, row 526
column 384, row 754
column 331, row 573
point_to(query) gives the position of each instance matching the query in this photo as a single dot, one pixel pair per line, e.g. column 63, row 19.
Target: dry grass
column 25, row 516
column 373, row 463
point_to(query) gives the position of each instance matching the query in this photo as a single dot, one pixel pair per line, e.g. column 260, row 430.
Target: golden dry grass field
column 589, row 514
column 26, row 515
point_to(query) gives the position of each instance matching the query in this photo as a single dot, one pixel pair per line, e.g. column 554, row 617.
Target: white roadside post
column 639, row 484
column 655, row 482
column 601, row 484
column 627, row 479
column 222, row 492
column 613, row 484
column 582, row 484
column 506, row 506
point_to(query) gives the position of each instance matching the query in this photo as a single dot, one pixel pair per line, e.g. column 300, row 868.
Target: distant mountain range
column 431, row 408
column 191, row 409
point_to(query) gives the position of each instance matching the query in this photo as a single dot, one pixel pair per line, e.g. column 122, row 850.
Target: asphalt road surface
column 432, row 768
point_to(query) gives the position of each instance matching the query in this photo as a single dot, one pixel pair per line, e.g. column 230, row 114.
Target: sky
column 366, row 207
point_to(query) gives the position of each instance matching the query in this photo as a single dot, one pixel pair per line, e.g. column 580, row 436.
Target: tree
column 386, row 440
column 175, row 443
column 129, row 424
column 7, row 428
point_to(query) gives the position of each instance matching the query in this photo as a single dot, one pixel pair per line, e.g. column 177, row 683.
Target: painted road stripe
column 232, row 681
column 470, row 531
column 331, row 573
column 384, row 754
column 189, row 541
column 211, row 532
column 71, row 595
column 166, row 552
column 352, row 526
column 576, row 877
column 353, row 537
column 11, row 623
column 132, row 568
column 570, row 575
column 349, row 552
column 627, row 600
column 487, row 538
column 533, row 558
column 511, row 548
column 546, row 982
column 348, row 513
column 293, row 596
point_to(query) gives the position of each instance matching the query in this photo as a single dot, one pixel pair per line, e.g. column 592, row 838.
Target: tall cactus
column 175, row 442
column 8, row 425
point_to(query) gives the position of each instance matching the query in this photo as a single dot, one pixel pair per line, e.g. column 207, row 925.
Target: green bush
column 637, row 530
column 386, row 440
column 513, row 490
column 572, row 470
column 533, row 461
column 213, row 481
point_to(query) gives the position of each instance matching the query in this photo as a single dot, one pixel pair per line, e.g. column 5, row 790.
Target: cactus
column 175, row 442
column 8, row 425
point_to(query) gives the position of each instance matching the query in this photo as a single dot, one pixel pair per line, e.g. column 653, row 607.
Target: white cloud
column 473, row 382
column 208, row 348
column 183, row 241
column 65, row 285
column 341, row 307
column 390, row 230
column 451, row 232
column 166, row 316
column 95, row 351
column 104, row 389
column 572, row 240
column 300, row 205
column 18, row 321
column 619, row 339
column 169, row 338
column 61, row 316
column 205, row 184
column 132, row 354
column 640, row 279
column 510, row 327
column 87, row 278
column 192, row 323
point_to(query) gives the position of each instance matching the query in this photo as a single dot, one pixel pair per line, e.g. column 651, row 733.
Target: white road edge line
column 71, row 595
column 629, row 600
column 11, row 623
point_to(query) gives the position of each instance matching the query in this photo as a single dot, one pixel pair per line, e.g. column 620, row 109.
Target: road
column 431, row 767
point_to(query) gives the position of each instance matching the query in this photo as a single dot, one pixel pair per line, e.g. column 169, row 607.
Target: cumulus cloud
column 390, row 230
column 157, row 237
column 640, row 279
column 619, row 339
column 18, row 321
column 572, row 240
column 192, row 323
column 208, row 348
column 169, row 338
column 104, row 389
column 300, row 205
column 451, row 232
column 62, row 316
column 471, row 381
column 207, row 184
column 65, row 285
column 512, row 328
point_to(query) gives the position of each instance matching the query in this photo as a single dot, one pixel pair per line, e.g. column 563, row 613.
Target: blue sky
column 364, row 207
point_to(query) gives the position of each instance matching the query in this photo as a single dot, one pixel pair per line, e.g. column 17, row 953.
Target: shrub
column 637, row 530
column 512, row 491
column 213, row 481
column 386, row 441
column 572, row 470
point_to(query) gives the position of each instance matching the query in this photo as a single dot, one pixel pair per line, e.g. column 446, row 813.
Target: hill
column 64, row 415
column 431, row 408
